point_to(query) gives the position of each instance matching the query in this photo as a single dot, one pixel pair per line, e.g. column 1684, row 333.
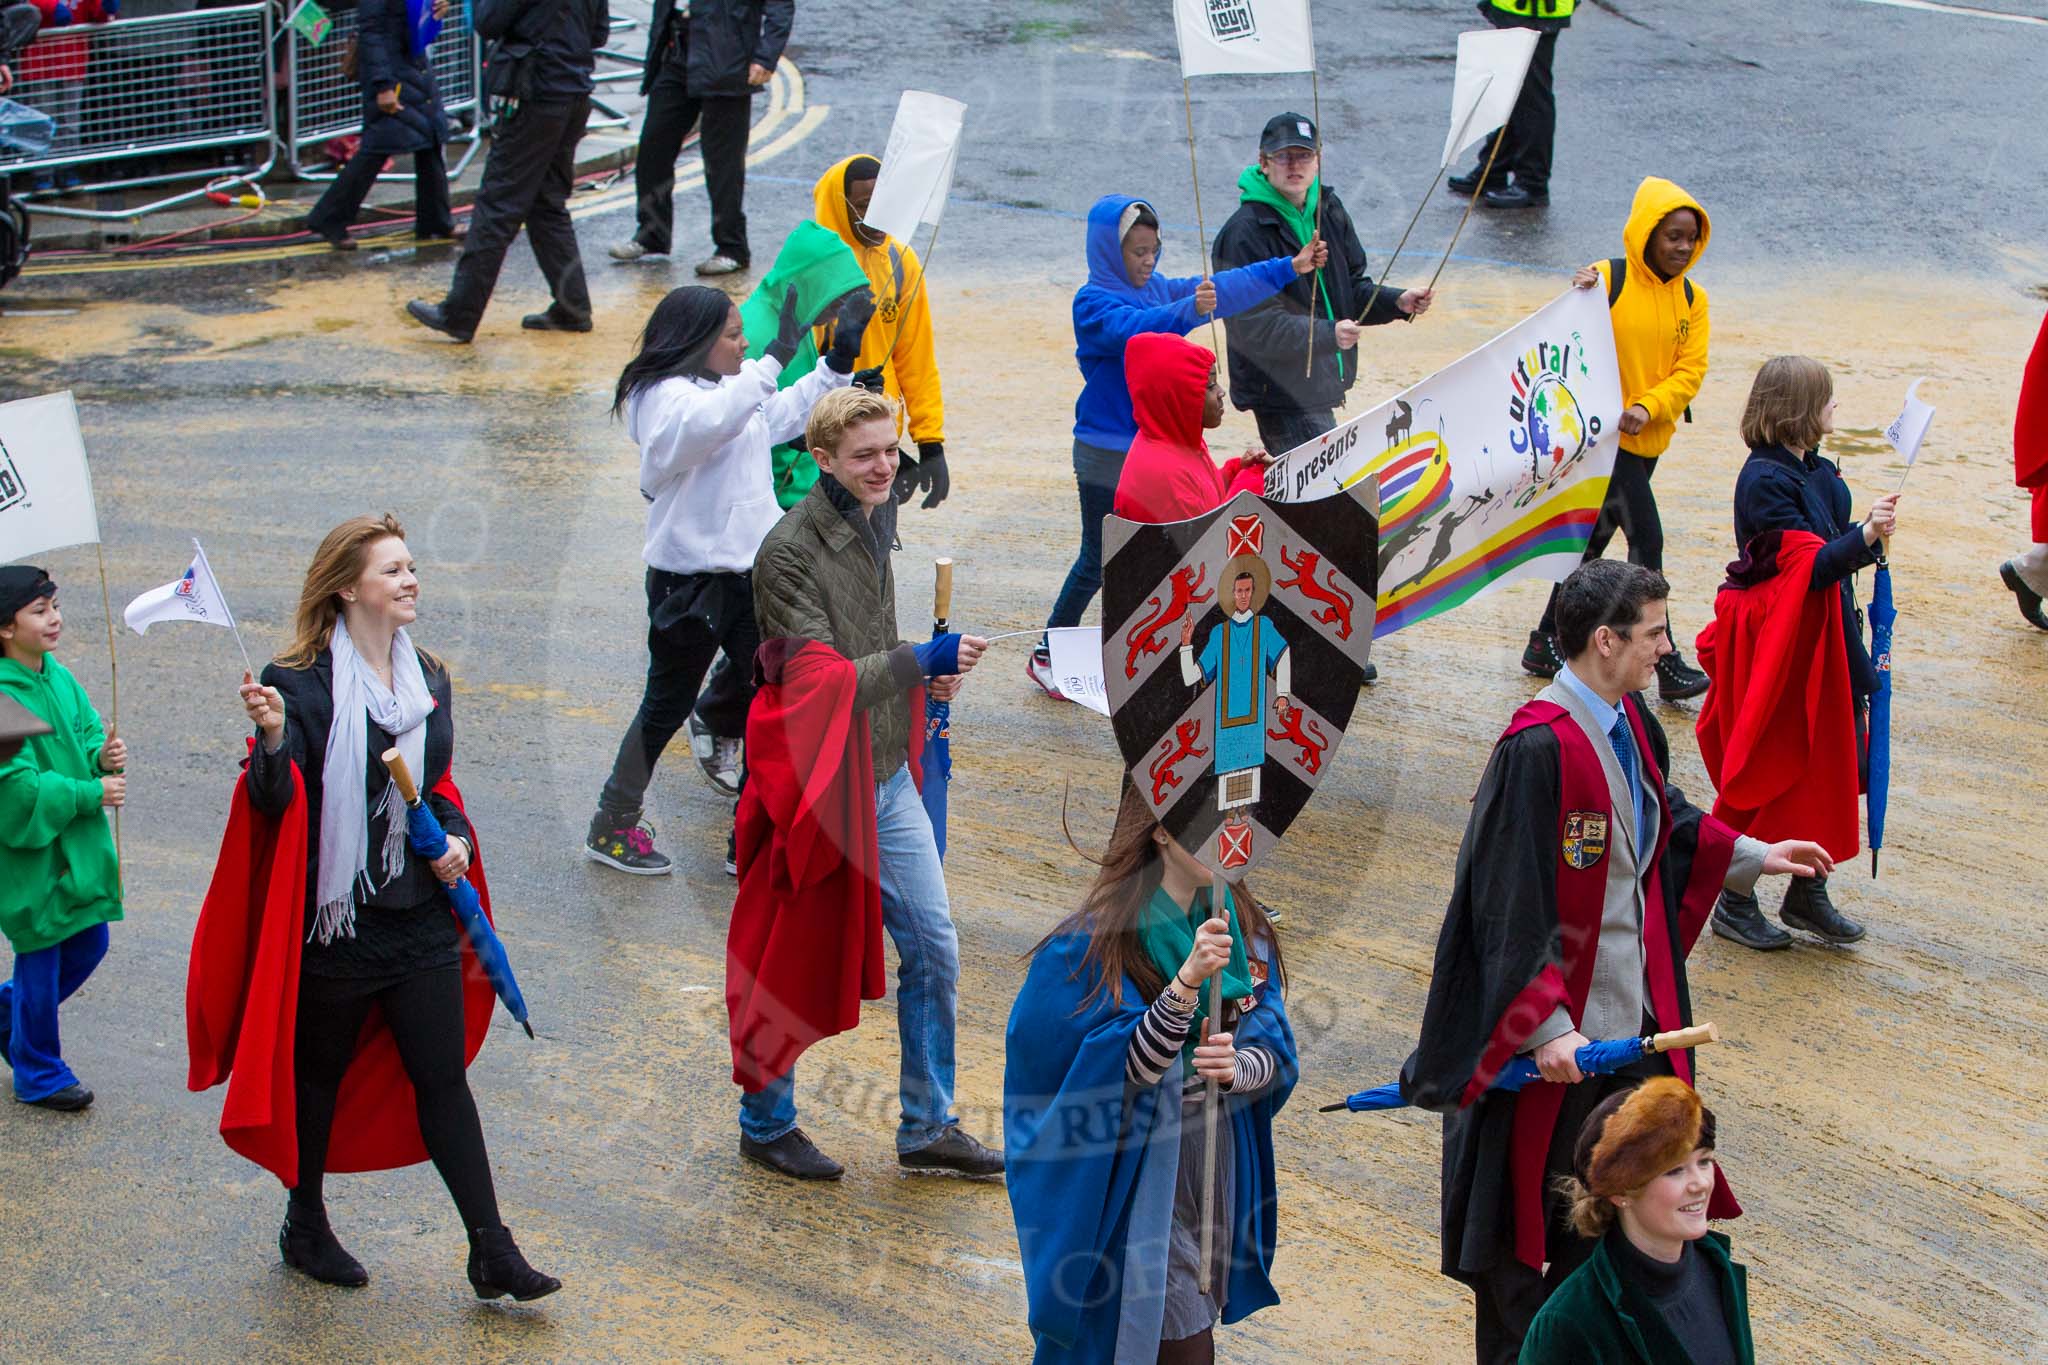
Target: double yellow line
column 787, row 122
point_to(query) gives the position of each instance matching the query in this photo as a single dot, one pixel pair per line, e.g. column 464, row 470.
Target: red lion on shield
column 1148, row 636
column 1337, row 602
column 1306, row 736
column 1175, row 747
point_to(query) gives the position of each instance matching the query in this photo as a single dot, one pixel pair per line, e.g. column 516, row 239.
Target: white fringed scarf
column 400, row 710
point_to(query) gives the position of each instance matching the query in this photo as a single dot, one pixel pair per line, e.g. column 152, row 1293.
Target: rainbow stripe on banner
column 1415, row 481
column 1561, row 526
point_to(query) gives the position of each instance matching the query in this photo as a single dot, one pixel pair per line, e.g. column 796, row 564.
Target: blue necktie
column 1625, row 754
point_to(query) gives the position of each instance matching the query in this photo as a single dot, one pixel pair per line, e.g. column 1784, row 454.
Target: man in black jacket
column 703, row 67
column 1292, row 396
column 532, row 165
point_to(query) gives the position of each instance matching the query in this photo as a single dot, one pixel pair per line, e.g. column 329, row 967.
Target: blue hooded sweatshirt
column 1109, row 310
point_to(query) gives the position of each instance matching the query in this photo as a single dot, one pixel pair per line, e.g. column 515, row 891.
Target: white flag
column 45, row 485
column 1244, row 37
column 1077, row 665
column 1909, row 428
column 194, row 597
column 917, row 165
column 1491, row 65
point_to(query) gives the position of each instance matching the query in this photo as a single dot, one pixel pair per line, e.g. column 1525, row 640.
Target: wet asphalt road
column 1849, row 153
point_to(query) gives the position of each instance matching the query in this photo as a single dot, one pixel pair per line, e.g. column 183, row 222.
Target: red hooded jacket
column 2030, row 421
column 1168, row 475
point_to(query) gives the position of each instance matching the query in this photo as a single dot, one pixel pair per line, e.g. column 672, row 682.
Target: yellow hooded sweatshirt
column 1660, row 338
column 900, row 342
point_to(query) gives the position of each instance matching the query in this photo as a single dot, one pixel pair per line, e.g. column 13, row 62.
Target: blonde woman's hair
column 1785, row 403
column 337, row 564
column 843, row 408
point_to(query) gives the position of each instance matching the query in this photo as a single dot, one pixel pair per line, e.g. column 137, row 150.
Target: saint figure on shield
column 1237, row 658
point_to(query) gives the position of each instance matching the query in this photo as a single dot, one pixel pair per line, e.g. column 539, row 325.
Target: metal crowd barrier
column 320, row 104
column 160, row 86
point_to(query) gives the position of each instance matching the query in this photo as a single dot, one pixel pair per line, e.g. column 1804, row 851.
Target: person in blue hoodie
column 1123, row 297
column 1107, row 1060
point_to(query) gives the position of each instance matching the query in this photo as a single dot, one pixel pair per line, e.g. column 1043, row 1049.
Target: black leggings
column 424, row 1013
column 1631, row 508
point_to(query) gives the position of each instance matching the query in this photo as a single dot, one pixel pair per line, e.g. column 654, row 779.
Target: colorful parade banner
column 1233, row 646
column 1491, row 470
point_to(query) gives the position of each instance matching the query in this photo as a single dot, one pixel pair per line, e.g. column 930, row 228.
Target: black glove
column 854, row 313
column 931, row 473
column 869, row 379
column 789, row 332
column 905, row 487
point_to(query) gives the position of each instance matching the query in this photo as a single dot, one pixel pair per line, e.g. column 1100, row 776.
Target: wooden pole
column 924, row 265
column 1387, row 273
column 1195, row 175
column 113, row 679
column 1470, row 204
column 1315, row 95
column 1212, row 1101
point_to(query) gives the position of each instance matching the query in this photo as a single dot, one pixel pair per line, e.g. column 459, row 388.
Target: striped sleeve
column 1158, row 1039
column 1254, row 1070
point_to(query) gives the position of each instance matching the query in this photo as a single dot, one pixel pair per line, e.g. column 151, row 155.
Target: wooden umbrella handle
column 942, row 589
column 402, row 775
column 1685, row 1037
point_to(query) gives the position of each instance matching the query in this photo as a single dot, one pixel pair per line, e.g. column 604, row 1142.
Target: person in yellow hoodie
column 1660, row 344
column 899, row 339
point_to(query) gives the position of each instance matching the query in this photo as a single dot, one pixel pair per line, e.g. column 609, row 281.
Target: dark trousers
column 1631, row 508
column 1532, row 126
column 1096, row 471
column 1507, row 1297
column 344, row 198
column 527, row 179
column 424, row 1013
column 726, row 697
column 723, row 122
column 1280, row 432
column 690, row 617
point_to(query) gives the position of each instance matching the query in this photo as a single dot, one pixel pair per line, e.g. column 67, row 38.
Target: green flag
column 312, row 22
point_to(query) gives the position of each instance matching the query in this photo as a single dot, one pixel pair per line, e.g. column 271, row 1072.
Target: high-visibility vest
column 1535, row 9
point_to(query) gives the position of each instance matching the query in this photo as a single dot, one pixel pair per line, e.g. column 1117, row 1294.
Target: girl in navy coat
column 401, row 113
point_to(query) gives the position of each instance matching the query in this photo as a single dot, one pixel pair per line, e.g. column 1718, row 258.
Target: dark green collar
column 1644, row 1326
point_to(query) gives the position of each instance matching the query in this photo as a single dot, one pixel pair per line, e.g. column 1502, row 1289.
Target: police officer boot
column 1741, row 919
column 1807, row 907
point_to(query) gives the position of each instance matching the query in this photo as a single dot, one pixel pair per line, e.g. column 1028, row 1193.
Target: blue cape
column 1109, row 310
column 1091, row 1168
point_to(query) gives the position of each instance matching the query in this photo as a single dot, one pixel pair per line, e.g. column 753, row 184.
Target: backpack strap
column 1617, row 275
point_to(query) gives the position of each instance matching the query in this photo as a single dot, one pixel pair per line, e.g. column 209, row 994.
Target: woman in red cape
column 331, row 985
column 1782, row 731
column 2026, row 573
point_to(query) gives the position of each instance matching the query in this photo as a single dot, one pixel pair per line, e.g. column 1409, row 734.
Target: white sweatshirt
column 705, row 464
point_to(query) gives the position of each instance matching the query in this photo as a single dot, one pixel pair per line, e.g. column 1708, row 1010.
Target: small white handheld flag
column 917, row 165
column 1492, row 63
column 1909, row 428
column 1077, row 664
column 1244, row 37
column 195, row 597
column 45, row 484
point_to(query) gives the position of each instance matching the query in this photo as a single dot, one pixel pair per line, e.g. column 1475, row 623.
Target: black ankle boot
column 1740, row 919
column 1807, row 907
column 309, row 1246
column 496, row 1268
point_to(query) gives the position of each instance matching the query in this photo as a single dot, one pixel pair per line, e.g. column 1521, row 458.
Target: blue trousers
column 1096, row 472
column 42, row 981
column 916, row 915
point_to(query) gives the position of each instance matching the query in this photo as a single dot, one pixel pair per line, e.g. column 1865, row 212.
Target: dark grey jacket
column 384, row 58
column 823, row 574
column 724, row 37
column 565, row 35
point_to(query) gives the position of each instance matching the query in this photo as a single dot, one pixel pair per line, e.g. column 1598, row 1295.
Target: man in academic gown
column 1583, row 881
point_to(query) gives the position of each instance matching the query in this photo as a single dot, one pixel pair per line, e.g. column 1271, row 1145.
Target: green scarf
column 823, row 268
column 1168, row 934
column 1254, row 188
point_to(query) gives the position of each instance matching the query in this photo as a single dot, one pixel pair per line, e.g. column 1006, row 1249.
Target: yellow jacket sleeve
column 1671, row 396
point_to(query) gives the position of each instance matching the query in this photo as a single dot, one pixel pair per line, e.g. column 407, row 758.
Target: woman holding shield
column 354, row 1027
column 1108, row 1061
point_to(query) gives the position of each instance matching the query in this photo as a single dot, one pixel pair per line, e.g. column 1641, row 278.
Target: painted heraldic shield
column 1227, row 733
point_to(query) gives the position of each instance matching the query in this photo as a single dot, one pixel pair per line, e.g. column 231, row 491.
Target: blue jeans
column 920, row 924
column 1096, row 471
column 42, row 981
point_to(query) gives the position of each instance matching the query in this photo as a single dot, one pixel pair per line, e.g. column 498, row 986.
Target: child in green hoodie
column 59, row 883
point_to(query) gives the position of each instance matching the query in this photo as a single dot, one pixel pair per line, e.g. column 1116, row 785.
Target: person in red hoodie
column 1175, row 396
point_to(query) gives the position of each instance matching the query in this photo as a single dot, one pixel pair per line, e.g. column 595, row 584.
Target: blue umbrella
column 1595, row 1059
column 423, row 830
column 938, row 717
column 1878, row 790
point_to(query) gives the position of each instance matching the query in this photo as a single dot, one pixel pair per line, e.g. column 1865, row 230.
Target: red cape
column 1778, row 729
column 805, row 944
column 1167, row 474
column 2030, row 422
column 242, row 1005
